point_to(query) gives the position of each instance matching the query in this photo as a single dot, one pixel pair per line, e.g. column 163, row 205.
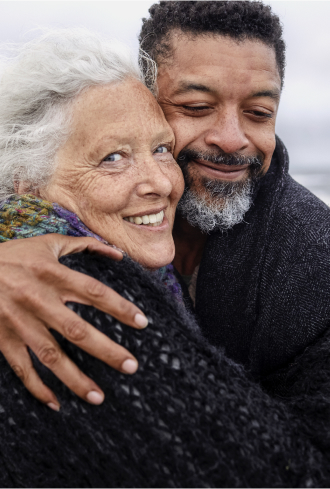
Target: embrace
column 165, row 289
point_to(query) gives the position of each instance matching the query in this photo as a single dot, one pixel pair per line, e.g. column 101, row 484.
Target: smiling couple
column 245, row 403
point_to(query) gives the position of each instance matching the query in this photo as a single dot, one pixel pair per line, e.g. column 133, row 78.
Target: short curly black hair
column 239, row 20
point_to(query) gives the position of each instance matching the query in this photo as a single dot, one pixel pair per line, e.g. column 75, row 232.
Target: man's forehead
column 218, row 53
column 205, row 63
column 190, row 86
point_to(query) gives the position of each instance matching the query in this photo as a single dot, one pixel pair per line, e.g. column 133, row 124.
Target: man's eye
column 262, row 114
column 161, row 149
column 196, row 108
column 113, row 157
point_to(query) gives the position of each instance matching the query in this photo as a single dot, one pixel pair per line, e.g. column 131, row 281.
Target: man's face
column 221, row 99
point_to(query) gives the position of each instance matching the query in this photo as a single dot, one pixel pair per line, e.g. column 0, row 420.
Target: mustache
column 220, row 158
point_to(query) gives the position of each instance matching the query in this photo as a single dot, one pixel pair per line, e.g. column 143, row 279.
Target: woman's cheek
column 176, row 177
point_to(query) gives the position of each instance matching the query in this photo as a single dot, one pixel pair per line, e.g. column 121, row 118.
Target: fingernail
column 140, row 320
column 95, row 397
column 129, row 366
column 54, row 407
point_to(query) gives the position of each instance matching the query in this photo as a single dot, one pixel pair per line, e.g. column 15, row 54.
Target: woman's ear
column 24, row 187
column 21, row 187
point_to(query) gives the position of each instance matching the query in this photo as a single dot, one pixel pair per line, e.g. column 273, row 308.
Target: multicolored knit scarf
column 26, row 216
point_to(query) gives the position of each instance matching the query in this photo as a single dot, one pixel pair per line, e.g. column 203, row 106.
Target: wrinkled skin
column 226, row 116
column 124, row 123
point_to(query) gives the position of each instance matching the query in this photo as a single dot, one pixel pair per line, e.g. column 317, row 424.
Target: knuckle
column 40, row 268
column 22, row 292
column 7, row 315
column 49, row 355
column 125, row 307
column 75, row 330
column 34, row 301
column 95, row 288
column 48, row 271
column 19, row 371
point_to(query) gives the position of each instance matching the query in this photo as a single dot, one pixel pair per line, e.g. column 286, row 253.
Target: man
column 256, row 241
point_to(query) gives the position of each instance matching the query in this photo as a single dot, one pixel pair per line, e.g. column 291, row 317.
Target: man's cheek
column 269, row 152
column 184, row 131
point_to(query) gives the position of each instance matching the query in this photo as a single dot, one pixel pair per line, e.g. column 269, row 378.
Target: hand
column 34, row 288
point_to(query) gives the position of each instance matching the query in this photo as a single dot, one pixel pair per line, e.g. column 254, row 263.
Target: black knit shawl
column 189, row 417
column 263, row 289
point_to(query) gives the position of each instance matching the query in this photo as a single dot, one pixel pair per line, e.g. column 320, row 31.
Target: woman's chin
column 155, row 259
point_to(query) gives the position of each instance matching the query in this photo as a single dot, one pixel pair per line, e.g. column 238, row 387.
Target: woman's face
column 117, row 172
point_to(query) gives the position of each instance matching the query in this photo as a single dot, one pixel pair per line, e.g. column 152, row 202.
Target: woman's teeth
column 149, row 220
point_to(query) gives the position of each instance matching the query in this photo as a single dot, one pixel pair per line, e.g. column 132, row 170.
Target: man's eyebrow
column 186, row 87
column 274, row 94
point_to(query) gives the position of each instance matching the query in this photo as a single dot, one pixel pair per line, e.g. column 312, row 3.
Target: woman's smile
column 117, row 172
column 152, row 219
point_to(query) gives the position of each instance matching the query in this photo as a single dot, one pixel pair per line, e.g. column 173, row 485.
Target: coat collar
column 227, row 299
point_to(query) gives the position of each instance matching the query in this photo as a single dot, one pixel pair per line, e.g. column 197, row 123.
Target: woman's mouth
column 152, row 220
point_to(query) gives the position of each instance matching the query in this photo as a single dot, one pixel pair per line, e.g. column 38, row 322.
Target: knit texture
column 26, row 216
column 263, row 288
column 189, row 417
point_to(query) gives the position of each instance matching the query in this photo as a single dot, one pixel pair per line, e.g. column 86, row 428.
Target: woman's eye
column 113, row 157
column 161, row 149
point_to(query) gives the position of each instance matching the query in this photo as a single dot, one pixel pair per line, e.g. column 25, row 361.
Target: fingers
column 78, row 287
column 94, row 342
column 19, row 359
column 50, row 354
column 34, row 334
column 34, row 288
column 107, row 300
column 64, row 245
column 46, row 348
column 82, row 334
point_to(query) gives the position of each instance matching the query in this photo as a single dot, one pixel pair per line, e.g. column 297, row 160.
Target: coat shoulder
column 298, row 208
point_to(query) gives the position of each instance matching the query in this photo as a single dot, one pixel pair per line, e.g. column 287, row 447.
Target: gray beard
column 220, row 207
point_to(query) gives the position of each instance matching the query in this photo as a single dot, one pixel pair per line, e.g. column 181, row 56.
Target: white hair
column 40, row 80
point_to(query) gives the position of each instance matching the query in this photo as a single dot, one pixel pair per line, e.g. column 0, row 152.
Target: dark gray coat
column 263, row 289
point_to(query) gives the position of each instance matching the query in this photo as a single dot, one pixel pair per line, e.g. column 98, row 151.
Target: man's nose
column 154, row 181
column 228, row 133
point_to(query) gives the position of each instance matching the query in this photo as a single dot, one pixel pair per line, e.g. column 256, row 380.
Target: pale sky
column 304, row 116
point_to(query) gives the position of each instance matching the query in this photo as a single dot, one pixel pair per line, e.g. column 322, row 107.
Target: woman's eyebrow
column 186, row 87
column 106, row 138
column 165, row 136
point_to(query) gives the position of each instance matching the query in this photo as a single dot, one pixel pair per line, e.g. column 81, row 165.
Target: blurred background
column 304, row 116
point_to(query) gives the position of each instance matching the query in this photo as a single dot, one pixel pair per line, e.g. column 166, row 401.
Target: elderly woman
column 86, row 151
column 99, row 149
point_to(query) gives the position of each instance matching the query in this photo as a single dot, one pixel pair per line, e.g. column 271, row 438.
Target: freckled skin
column 122, row 119
column 232, row 120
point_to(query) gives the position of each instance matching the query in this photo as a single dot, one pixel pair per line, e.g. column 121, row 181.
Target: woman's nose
column 154, row 178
